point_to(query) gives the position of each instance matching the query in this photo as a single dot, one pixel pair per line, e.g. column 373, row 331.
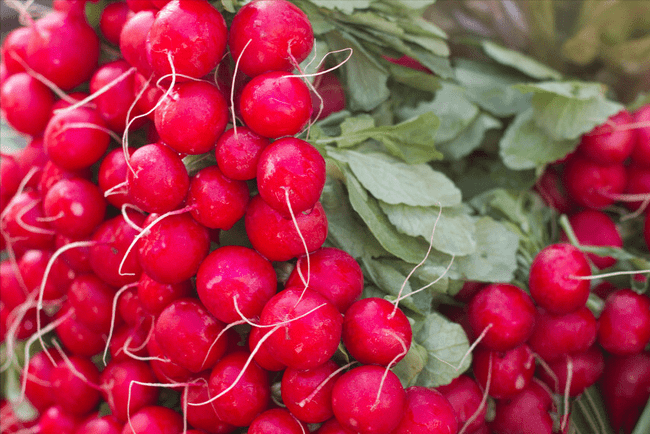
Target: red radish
column 32, row 158
column 186, row 333
column 465, row 397
column 113, row 238
column 133, row 40
column 114, row 104
column 159, row 180
column 595, row 228
column 36, row 378
column 641, row 152
column 22, row 221
column 611, row 142
column 112, row 173
column 155, row 296
column 238, row 154
column 238, row 274
column 552, row 190
column 291, row 171
column 129, row 342
column 12, row 292
column 56, row 421
column 149, row 97
column 427, row 412
column 527, row 412
column 263, row 357
column 63, row 48
column 646, row 230
column 113, row 17
column 159, row 3
column 203, row 417
column 192, row 33
column 74, row 381
column 158, row 249
column 593, row 185
column 192, row 117
column 276, row 420
column 333, row 273
column 624, row 324
column 9, row 176
column 32, row 266
column 75, row 206
column 75, row 8
column 123, row 395
column 369, row 400
column 164, row 369
column 76, row 139
column 76, row 337
column 580, row 370
column 332, row 426
column 276, row 237
column 276, row 104
column 510, row 372
column 248, row 389
column 102, row 425
column 129, row 306
column 14, row 47
column 308, row 393
column 52, row 174
column 313, row 335
column 140, row 5
column 332, row 96
column 26, row 103
column 638, row 183
column 280, row 36
column 217, row 202
column 92, row 300
column 557, row 335
column 507, row 311
column 554, row 280
column 154, row 420
column 376, row 332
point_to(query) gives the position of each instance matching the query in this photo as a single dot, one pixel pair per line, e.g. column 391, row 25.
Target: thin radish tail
column 388, row 368
column 322, row 384
column 567, row 388
column 481, row 406
column 468, row 352
column 113, row 319
column 304, row 244
column 221, row 333
column 232, row 90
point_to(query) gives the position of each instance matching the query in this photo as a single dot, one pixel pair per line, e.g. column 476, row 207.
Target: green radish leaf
column 414, row 78
column 470, row 138
column 409, row 368
column 346, row 6
column 519, row 61
column 11, row 141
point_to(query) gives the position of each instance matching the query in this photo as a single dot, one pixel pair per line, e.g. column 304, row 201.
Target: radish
column 552, row 190
column 466, row 398
column 331, row 95
column 593, row 185
column 509, row 372
column 194, row 33
column 216, row 201
column 92, row 300
column 140, row 5
column 646, row 230
column 238, row 152
column 113, row 17
column 52, row 174
column 14, row 49
column 333, row 273
column 624, row 324
column 313, row 335
column 36, row 379
column 164, row 369
column 332, row 426
column 280, row 36
column 242, row 388
column 554, row 279
column 611, row 142
column 576, row 372
column 276, row 237
column 526, row 412
column 75, row 336
column 147, row 94
column 112, row 177
column 376, row 332
column 130, row 342
column 101, row 425
column 638, row 183
column 427, row 411
column 595, row 228
column 133, row 40
column 505, row 314
column 129, row 306
column 32, row 266
column 12, row 290
column 155, row 296
column 154, row 419
column 9, row 176
column 235, row 274
column 203, row 417
column 114, row 104
column 74, row 385
column 56, row 421
column 290, row 172
column 369, row 400
column 26, row 104
column 641, row 152
column 275, row 104
column 191, row 118
column 263, row 357
column 276, row 420
column 22, row 221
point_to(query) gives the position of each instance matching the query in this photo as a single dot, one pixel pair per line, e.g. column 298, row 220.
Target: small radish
column 130, row 342
column 593, row 185
column 611, row 142
column 92, row 300
column 641, row 152
column 194, row 33
column 140, row 5
column 276, row 420
column 164, row 369
column 332, row 426
column 192, row 117
column 465, row 397
column 332, row 96
column 595, row 228
column 14, row 49
column 507, row 311
column 280, row 36
column 52, row 174
column 112, row 177
column 638, row 183
column 203, row 417
column 155, row 296
column 76, row 337
column 56, row 421
column 509, row 372
column 276, row 104
column 291, row 172
column 576, row 371
column 133, row 40
column 22, row 221
column 101, row 425
column 555, row 278
column 26, row 104
column 427, row 412
column 624, row 324
column 238, row 152
column 123, row 397
column 36, row 378
column 32, row 266
column 263, row 357
column 552, row 190
column 149, row 97
column 526, row 412
column 113, row 17
column 74, row 385
column 369, row 400
column 235, row 274
column 154, row 419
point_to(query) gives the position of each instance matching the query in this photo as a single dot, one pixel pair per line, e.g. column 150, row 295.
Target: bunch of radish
column 115, row 249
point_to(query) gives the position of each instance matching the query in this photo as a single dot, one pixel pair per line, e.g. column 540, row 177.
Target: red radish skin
column 22, row 223
column 646, row 230
column 140, row 5
column 12, row 292
column 595, row 228
column 192, row 117
column 586, row 369
column 641, row 152
column 26, row 104
column 164, row 369
column 332, row 96
column 291, row 170
column 427, row 412
column 510, row 373
column 159, row 180
column 129, row 342
column 332, row 426
column 155, row 296
column 557, row 335
column 552, row 281
column 306, row 342
column 117, row 385
column 276, row 237
column 76, row 337
column 149, row 97
column 114, row 104
column 154, row 420
column 193, row 33
column 238, row 273
column 217, row 202
column 158, row 249
column 186, row 331
column 203, row 417
column 248, row 397
column 238, row 152
column 52, row 174
column 638, row 182
column 609, row 144
column 276, row 104
column 74, row 387
column 364, row 404
column 507, row 310
column 9, row 176
column 129, row 306
column 133, row 40
column 56, row 421
column 92, row 300
column 624, row 324
column 102, row 425
column 300, row 395
column 38, row 388
column 277, row 420
column 465, row 397
column 375, row 332
column 527, row 412
column 112, row 171
column 14, row 47
column 552, row 190
column 32, row 157
column 111, row 21
column 32, row 266
column 75, row 206
column 263, row 357
column 409, row 62
column 593, row 185
column 333, row 273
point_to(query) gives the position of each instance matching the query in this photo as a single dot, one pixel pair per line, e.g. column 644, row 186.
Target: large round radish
column 133, row 40
column 26, row 104
column 291, row 173
column 52, row 174
column 624, row 324
column 74, row 385
column 268, row 35
column 192, row 117
column 92, row 300
column 22, row 221
column 609, row 144
column 111, row 21
column 308, row 393
column 112, row 172
column 509, row 372
column 192, row 32
column 124, row 398
column 465, row 397
column 593, row 185
column 154, row 420
column 164, row 369
column 306, row 342
column 263, row 356
column 427, row 412
column 203, row 417
column 155, row 296
column 75, row 206
column 277, row 420
column 595, row 228
column 527, row 412
column 238, row 152
column 585, row 369
column 32, row 266
column 75, row 336
column 275, row 104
